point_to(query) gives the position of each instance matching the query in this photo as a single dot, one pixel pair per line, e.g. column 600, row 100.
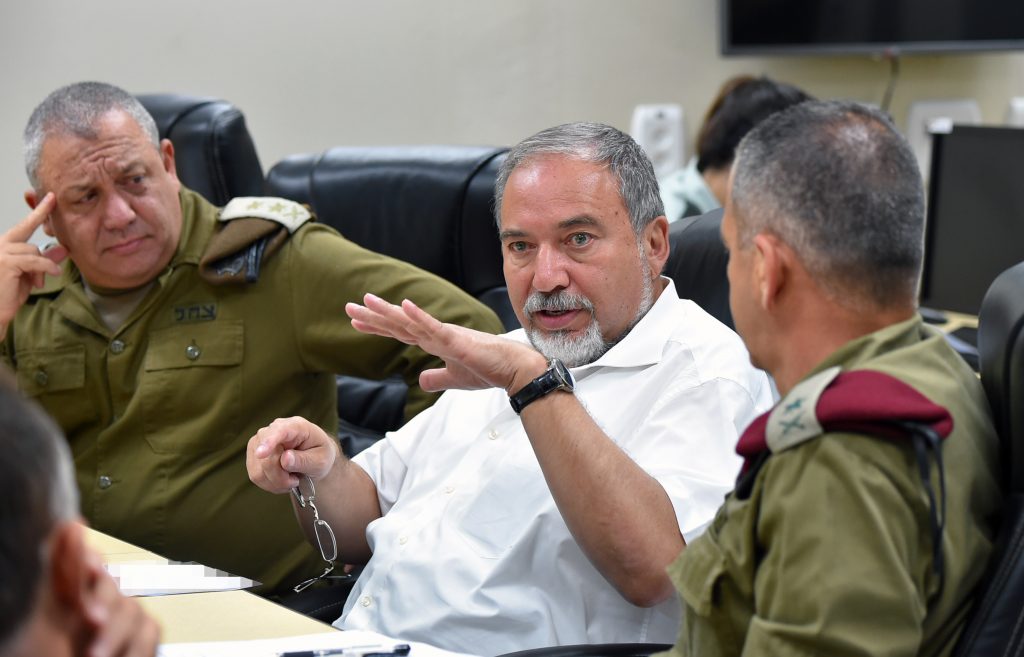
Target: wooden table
column 211, row 616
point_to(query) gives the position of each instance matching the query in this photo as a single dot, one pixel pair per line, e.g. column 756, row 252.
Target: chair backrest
column 215, row 155
column 697, row 263
column 996, row 626
column 1001, row 354
column 431, row 206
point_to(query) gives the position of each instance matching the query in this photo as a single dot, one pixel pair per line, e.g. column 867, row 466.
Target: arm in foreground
column 633, row 535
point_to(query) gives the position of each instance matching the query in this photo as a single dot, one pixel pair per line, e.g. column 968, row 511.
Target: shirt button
column 403, row 540
column 105, row 482
column 42, row 378
column 117, row 346
column 192, row 352
column 449, row 489
column 493, row 434
column 366, row 601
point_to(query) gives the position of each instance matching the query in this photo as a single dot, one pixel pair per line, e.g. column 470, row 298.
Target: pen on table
column 397, row 650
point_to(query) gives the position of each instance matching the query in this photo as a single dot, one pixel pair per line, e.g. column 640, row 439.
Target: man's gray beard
column 591, row 345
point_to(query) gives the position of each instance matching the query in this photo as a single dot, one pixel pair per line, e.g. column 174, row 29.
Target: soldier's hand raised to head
column 22, row 265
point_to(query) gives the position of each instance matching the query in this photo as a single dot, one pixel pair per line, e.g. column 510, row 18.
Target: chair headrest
column 214, row 152
column 1001, row 356
column 428, row 205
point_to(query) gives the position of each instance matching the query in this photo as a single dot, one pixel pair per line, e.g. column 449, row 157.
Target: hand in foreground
column 22, row 266
column 473, row 359
column 287, row 448
column 117, row 626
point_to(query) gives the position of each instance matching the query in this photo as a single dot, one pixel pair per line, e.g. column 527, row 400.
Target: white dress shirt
column 472, row 554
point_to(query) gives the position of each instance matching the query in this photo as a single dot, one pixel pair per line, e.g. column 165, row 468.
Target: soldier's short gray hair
column 74, row 109
column 840, row 185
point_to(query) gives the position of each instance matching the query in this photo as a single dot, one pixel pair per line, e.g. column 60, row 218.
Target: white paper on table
column 356, row 641
column 155, row 578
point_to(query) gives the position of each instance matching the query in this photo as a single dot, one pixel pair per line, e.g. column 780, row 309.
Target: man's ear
column 32, row 199
column 167, row 157
column 68, row 566
column 769, row 269
column 655, row 241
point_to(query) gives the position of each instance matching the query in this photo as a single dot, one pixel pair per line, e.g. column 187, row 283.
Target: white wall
column 316, row 73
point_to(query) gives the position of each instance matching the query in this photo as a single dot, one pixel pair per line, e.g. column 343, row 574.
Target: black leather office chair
column 216, row 156
column 697, row 261
column 431, row 206
column 996, row 626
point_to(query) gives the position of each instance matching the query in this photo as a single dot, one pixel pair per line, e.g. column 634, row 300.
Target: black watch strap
column 557, row 377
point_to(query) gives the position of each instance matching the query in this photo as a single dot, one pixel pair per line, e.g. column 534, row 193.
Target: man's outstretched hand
column 473, row 359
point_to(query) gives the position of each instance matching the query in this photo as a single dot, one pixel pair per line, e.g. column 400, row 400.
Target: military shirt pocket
column 191, row 388
column 52, row 370
column 56, row 378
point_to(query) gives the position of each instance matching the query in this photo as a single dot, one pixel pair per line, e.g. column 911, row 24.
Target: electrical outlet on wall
column 659, row 130
column 1015, row 112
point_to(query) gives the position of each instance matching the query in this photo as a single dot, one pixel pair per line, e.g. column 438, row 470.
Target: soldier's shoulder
column 287, row 213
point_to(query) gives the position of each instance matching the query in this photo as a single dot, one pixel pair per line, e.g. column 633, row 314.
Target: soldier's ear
column 167, row 158
column 769, row 269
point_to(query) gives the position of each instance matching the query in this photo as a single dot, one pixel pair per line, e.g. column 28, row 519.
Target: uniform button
column 403, row 540
column 449, row 489
column 117, row 346
column 105, row 482
column 493, row 434
column 366, row 601
column 42, row 378
column 192, row 352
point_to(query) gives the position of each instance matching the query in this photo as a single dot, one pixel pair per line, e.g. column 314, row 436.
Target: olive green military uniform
column 832, row 552
column 159, row 411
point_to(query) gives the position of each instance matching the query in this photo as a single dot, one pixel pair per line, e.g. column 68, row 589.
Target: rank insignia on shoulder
column 289, row 214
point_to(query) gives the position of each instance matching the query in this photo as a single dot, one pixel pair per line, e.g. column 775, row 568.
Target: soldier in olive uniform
column 174, row 330
column 833, row 541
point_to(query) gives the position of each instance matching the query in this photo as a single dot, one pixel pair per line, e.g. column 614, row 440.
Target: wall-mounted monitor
column 766, row 27
column 975, row 224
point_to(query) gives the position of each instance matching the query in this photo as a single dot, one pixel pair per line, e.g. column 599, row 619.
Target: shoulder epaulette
column 289, row 214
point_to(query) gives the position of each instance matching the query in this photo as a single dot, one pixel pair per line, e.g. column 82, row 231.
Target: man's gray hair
column 838, row 183
column 37, row 491
column 74, row 110
column 600, row 144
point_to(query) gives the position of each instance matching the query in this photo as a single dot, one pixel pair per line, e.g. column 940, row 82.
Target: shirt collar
column 645, row 342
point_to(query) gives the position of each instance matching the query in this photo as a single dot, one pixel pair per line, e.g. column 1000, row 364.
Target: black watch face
column 563, row 374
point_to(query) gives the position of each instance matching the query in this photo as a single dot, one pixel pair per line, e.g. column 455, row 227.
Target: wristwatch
column 557, row 377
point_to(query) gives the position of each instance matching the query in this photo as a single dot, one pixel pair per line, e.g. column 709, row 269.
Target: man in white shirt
column 490, row 527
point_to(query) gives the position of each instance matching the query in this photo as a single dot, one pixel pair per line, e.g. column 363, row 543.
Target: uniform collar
column 867, row 347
